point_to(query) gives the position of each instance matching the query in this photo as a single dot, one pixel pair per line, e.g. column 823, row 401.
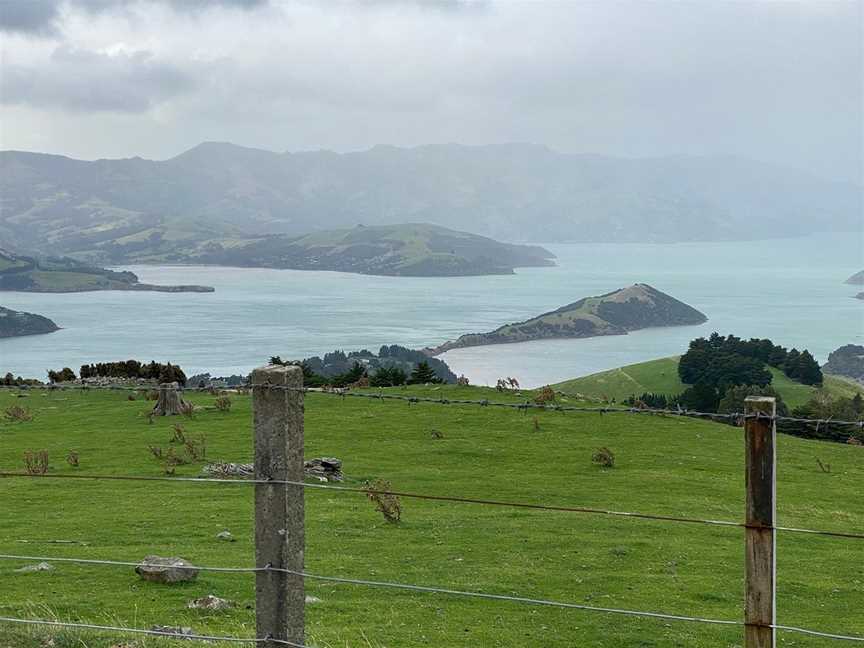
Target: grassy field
column 665, row 465
column 661, row 377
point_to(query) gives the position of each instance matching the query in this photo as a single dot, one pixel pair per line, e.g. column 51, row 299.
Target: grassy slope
column 665, row 465
column 661, row 376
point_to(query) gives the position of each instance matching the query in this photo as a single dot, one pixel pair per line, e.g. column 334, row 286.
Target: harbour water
column 790, row 290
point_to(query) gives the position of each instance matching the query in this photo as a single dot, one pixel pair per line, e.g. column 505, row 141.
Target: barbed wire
column 523, row 406
column 441, row 498
column 435, row 590
column 157, row 633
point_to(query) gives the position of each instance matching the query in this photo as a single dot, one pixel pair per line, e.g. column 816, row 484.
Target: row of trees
column 163, row 373
column 9, row 380
column 723, row 361
column 385, row 376
column 704, row 398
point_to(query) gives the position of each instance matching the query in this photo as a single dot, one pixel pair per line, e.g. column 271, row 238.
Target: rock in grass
column 225, row 536
column 179, row 632
column 210, row 602
column 312, row 599
column 166, row 570
column 38, row 567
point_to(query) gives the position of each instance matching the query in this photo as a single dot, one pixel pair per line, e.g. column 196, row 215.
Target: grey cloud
column 40, row 17
column 34, row 17
column 80, row 80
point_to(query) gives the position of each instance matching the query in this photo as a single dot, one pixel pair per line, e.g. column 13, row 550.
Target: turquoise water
column 790, row 290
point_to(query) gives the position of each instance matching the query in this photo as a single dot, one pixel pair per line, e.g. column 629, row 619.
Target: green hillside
column 410, row 249
column 665, row 465
column 615, row 313
column 62, row 275
column 661, row 377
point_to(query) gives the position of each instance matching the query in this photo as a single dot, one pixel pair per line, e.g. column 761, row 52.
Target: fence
column 278, row 406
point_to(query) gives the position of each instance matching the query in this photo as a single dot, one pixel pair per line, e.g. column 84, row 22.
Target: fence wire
column 735, row 417
column 424, row 589
column 155, row 633
column 440, row 498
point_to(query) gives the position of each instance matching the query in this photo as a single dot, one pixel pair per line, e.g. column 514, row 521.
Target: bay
column 790, row 290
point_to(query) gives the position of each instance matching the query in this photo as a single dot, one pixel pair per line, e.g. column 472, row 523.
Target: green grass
column 665, row 465
column 661, row 377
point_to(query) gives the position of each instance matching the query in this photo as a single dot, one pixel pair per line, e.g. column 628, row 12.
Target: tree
column 808, row 371
column 423, row 374
column 733, row 400
column 701, row 397
column 64, row 375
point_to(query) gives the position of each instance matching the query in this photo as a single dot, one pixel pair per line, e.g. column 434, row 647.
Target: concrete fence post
column 760, row 544
column 279, row 509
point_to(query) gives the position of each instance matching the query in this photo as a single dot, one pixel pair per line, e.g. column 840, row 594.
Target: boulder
column 210, row 602
column 180, row 632
column 38, row 567
column 320, row 468
column 225, row 536
column 166, row 570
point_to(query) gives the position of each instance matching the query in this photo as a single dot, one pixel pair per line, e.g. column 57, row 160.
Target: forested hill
column 627, row 309
column 107, row 210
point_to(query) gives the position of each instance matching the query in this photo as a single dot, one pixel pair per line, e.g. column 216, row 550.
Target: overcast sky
column 776, row 81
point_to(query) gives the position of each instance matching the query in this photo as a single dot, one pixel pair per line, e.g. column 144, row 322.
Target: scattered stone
column 166, row 570
column 225, row 536
column 38, row 567
column 320, row 468
column 180, row 632
column 210, row 602
column 324, row 468
column 228, row 469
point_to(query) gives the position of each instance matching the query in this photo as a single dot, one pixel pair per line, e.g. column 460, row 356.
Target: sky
column 776, row 81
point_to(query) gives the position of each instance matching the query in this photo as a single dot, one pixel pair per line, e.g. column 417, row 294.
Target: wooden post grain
column 760, row 563
column 279, row 510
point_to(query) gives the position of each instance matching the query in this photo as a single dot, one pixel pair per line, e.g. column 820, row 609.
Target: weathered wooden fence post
column 279, row 510
column 760, row 582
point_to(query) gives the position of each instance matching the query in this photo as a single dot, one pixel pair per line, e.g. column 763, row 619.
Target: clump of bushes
column 545, row 395
column 223, row 404
column 15, row 413
column 36, row 463
column 73, row 459
column 64, row 375
column 385, row 502
column 604, row 458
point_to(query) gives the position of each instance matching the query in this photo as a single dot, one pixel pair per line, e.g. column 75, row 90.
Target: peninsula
column 64, row 275
column 628, row 309
column 16, row 323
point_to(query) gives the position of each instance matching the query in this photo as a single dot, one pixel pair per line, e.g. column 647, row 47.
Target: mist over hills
column 108, row 210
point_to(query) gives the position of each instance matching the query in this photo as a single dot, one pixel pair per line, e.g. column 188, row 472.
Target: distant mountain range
column 112, row 211
column 627, row 309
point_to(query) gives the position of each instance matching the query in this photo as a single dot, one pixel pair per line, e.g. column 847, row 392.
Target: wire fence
column 368, row 393
column 439, row 498
column 382, row 396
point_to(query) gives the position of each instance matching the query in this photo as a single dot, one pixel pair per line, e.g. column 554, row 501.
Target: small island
column 405, row 250
column 856, row 279
column 16, row 323
column 628, row 309
column 64, row 275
